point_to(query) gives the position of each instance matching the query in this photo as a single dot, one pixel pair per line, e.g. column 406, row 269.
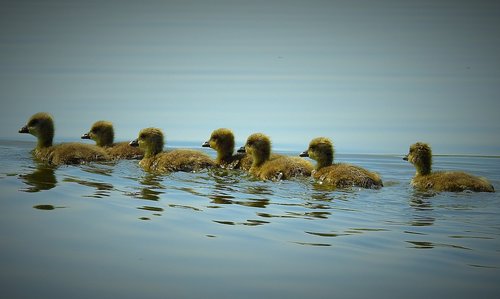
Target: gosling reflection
column 227, row 184
column 422, row 208
column 42, row 178
column 152, row 186
column 101, row 189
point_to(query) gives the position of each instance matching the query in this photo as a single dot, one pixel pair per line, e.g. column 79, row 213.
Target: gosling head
column 221, row 140
column 150, row 140
column 259, row 146
column 41, row 126
column 321, row 150
column 102, row 133
column 420, row 155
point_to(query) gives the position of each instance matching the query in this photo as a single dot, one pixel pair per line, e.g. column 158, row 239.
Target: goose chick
column 339, row 175
column 41, row 126
column 283, row 167
column 222, row 140
column 103, row 134
column 150, row 140
column 420, row 155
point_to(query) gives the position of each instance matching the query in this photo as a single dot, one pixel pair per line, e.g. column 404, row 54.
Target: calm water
column 114, row 231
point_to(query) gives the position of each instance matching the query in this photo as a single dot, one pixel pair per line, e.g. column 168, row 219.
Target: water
column 114, row 231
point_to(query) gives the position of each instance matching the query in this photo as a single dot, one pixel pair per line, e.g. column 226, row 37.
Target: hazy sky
column 374, row 76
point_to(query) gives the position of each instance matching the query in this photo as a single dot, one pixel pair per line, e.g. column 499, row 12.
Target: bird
column 103, row 134
column 281, row 168
column 41, row 125
column 222, row 140
column 420, row 155
column 339, row 175
column 151, row 141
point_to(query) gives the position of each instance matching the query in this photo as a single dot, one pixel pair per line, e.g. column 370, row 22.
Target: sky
column 374, row 76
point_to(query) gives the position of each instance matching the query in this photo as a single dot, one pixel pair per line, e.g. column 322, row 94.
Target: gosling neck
column 45, row 140
column 260, row 158
column 223, row 156
column 105, row 141
column 423, row 169
column 323, row 162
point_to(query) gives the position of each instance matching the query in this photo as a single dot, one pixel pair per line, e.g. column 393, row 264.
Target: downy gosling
column 103, row 134
column 222, row 140
column 420, row 155
column 339, row 175
column 41, row 126
column 258, row 146
column 150, row 140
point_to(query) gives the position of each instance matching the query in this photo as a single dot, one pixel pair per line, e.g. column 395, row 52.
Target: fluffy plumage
column 283, row 167
column 150, row 140
column 222, row 140
column 103, row 134
column 420, row 155
column 340, row 175
column 41, row 126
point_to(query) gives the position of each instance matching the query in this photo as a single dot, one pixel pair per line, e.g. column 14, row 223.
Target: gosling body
column 41, row 125
column 150, row 140
column 420, row 155
column 339, row 175
column 280, row 168
column 102, row 133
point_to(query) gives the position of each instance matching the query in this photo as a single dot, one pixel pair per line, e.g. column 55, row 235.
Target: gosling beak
column 134, row 143
column 24, row 130
column 304, row 154
column 205, row 144
column 405, row 158
column 241, row 150
column 85, row 136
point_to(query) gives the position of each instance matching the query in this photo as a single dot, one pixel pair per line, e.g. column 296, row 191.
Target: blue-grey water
column 115, row 231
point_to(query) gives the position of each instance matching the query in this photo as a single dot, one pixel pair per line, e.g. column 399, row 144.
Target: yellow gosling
column 103, row 134
column 280, row 168
column 420, row 155
column 41, row 126
column 339, row 175
column 150, row 140
column 222, row 140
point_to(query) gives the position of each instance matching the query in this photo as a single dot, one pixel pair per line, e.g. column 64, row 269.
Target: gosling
column 281, row 168
column 420, row 155
column 339, row 175
column 150, row 140
column 103, row 134
column 222, row 140
column 41, row 126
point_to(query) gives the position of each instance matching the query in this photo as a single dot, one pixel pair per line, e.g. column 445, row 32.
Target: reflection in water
column 423, row 207
column 46, row 207
column 430, row 245
column 99, row 168
column 101, row 189
column 151, row 183
column 43, row 178
column 228, row 183
column 249, row 222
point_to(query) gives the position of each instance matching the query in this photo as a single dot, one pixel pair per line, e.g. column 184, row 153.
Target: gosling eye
column 33, row 123
column 142, row 136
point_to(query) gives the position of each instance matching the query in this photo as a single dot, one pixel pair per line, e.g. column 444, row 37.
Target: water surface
column 115, row 231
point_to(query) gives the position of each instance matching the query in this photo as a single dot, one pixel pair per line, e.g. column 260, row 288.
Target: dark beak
column 24, row 130
column 405, row 158
column 134, row 142
column 304, row 154
column 241, row 150
column 85, row 136
column 205, row 144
